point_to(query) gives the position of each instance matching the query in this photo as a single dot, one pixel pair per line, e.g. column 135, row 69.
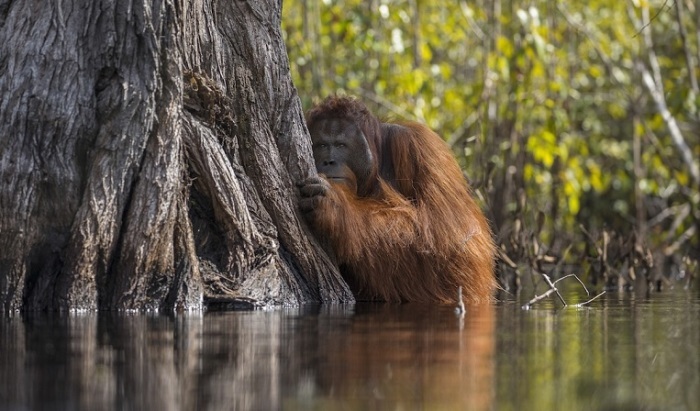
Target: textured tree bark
column 148, row 157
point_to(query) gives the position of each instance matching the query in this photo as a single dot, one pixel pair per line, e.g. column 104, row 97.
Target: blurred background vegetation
column 577, row 123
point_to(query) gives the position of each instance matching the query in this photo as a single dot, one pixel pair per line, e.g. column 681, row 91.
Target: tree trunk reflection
column 369, row 357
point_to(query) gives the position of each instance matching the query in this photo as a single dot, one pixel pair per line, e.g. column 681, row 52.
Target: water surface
column 622, row 352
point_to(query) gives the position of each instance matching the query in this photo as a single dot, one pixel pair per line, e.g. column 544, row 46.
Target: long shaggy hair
column 414, row 231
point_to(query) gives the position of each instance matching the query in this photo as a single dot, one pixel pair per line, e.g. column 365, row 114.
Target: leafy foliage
column 540, row 99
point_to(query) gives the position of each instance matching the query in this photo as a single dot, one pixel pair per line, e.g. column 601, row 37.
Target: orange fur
column 413, row 233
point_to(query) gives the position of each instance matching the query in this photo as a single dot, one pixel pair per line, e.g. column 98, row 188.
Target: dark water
column 623, row 352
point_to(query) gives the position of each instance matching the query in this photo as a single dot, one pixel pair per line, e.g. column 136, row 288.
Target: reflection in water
column 366, row 357
column 398, row 357
column 620, row 354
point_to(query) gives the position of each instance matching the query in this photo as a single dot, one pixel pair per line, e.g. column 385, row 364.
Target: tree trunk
column 148, row 158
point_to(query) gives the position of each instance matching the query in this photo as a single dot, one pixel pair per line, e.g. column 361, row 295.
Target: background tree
column 148, row 156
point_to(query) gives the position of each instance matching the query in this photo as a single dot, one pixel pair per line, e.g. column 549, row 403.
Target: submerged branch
column 460, row 309
column 589, row 301
column 539, row 298
column 553, row 287
column 577, row 279
column 553, row 290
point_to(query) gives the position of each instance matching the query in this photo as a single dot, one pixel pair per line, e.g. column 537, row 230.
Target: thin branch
column 387, row 104
column 460, row 309
column 506, row 259
column 466, row 124
column 649, row 45
column 589, row 301
column 466, row 12
column 697, row 30
column 687, row 235
column 668, row 212
column 648, row 23
column 577, row 279
column 654, row 83
column 591, row 240
column 553, row 290
column 671, row 124
column 538, row 298
column 686, row 48
column 553, row 287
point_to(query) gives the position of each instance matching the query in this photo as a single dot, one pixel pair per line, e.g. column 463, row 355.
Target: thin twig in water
column 577, row 279
column 587, row 302
column 460, row 309
column 553, row 287
column 553, row 290
column 538, row 298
